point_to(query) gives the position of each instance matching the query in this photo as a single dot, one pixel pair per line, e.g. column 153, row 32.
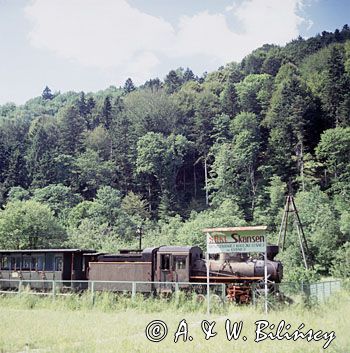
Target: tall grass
column 108, row 302
column 116, row 323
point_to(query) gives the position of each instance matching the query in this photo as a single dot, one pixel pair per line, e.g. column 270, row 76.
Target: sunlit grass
column 117, row 324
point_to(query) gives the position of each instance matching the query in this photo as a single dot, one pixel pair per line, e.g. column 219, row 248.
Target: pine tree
column 82, row 106
column 336, row 86
column 90, row 105
column 229, row 98
column 188, row 75
column 289, row 117
column 129, row 86
column 172, row 82
column 107, row 112
column 47, row 95
column 153, row 84
column 71, row 127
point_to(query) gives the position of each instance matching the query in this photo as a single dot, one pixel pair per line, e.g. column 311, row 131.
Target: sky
column 89, row 45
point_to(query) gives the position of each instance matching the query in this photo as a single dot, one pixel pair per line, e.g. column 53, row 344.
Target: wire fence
column 295, row 293
column 64, row 287
column 220, row 293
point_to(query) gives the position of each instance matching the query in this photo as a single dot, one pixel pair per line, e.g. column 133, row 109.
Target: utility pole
column 139, row 233
column 205, row 157
column 290, row 208
column 206, row 181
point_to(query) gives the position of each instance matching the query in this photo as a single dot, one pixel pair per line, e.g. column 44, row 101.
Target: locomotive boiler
column 240, row 266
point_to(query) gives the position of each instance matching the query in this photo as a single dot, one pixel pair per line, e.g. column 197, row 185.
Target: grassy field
column 32, row 324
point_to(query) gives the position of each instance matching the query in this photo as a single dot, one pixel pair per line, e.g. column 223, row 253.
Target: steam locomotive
column 154, row 269
column 185, row 264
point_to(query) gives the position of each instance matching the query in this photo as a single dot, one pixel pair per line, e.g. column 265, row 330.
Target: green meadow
column 30, row 323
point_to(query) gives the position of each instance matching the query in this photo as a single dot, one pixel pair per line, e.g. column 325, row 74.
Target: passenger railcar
column 45, row 264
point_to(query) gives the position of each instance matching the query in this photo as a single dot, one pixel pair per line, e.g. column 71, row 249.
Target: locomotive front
column 240, row 266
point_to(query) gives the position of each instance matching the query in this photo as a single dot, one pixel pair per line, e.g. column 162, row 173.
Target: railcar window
column 40, row 263
column 49, row 262
column 58, row 263
column 1, row 263
column 15, row 263
column 37, row 263
column 26, row 263
column 34, row 263
column 18, row 263
column 180, row 262
column 165, row 262
column 5, row 263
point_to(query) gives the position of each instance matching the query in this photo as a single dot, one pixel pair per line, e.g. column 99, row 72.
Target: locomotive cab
column 175, row 262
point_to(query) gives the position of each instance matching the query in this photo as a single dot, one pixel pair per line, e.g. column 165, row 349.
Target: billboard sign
column 236, row 239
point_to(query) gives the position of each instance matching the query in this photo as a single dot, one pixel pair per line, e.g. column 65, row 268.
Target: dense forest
column 167, row 158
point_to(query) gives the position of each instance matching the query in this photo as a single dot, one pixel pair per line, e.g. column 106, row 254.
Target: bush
column 341, row 263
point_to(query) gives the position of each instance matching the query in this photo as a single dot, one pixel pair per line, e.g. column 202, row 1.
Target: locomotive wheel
column 260, row 288
column 201, row 298
column 216, row 300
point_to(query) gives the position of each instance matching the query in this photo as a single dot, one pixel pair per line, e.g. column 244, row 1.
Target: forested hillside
column 175, row 155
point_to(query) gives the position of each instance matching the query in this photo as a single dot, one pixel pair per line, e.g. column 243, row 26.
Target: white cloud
column 101, row 33
column 273, row 20
column 142, row 65
column 112, row 34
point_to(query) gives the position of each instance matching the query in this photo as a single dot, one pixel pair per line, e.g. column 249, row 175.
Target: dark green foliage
column 13, row 144
column 91, row 172
column 58, row 197
column 153, row 84
column 107, row 112
column 272, row 62
column 207, row 106
column 90, row 105
column 173, row 81
column 161, row 157
column 341, row 263
column 334, row 151
column 71, row 127
column 254, row 93
column 149, row 110
column 29, row 225
column 124, row 141
column 129, row 86
column 17, row 193
column 229, row 98
column 290, row 116
column 235, row 167
column 47, row 95
column 320, row 226
column 335, row 95
column 82, row 105
column 188, row 75
column 43, row 146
